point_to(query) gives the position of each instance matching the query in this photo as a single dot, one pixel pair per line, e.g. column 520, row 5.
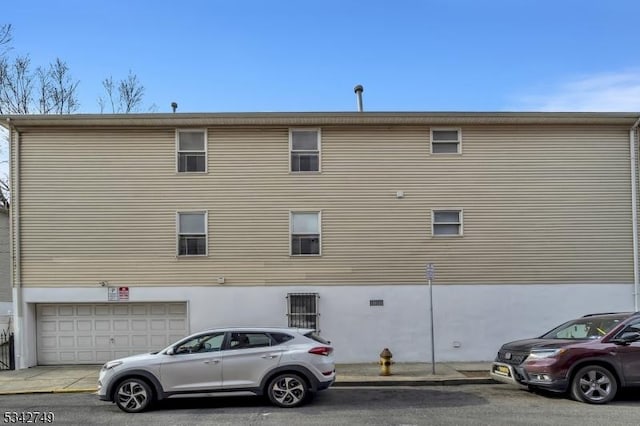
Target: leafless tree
column 125, row 97
column 54, row 89
column 62, row 88
column 16, row 86
column 131, row 93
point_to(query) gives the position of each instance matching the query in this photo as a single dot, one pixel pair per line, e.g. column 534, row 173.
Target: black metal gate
column 7, row 351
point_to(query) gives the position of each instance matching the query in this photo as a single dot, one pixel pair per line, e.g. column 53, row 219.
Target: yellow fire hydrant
column 385, row 362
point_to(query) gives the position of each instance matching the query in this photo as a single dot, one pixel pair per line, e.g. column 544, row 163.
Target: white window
column 192, row 150
column 305, row 233
column 192, row 233
column 446, row 141
column 446, row 222
column 302, row 310
column 304, row 147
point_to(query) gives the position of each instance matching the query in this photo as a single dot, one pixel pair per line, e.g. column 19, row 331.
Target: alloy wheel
column 133, row 396
column 287, row 390
column 594, row 384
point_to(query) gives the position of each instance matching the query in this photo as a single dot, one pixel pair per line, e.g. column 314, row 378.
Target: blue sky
column 430, row 55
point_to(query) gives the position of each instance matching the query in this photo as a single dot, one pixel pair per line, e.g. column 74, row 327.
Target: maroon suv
column 590, row 357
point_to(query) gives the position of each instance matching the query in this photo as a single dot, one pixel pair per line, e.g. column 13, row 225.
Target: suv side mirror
column 171, row 351
column 627, row 337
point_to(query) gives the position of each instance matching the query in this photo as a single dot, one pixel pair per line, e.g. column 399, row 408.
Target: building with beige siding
column 130, row 231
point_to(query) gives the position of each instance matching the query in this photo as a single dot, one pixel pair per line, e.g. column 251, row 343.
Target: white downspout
column 634, row 213
column 16, row 261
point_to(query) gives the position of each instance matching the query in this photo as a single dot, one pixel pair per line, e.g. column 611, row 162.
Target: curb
column 35, row 391
column 424, row 382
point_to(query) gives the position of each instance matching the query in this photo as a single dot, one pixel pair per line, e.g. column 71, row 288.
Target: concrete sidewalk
column 83, row 378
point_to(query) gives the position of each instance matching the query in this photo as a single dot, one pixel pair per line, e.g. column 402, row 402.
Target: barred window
column 302, row 310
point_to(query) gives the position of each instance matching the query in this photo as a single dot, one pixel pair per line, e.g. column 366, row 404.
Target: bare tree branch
column 108, row 85
column 16, row 86
column 63, row 88
column 131, row 93
column 125, row 97
column 5, row 38
column 4, row 195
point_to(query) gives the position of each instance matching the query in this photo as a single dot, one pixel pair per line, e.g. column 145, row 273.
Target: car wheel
column 133, row 395
column 594, row 384
column 287, row 390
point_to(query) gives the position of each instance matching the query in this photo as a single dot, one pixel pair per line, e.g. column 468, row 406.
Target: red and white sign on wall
column 123, row 293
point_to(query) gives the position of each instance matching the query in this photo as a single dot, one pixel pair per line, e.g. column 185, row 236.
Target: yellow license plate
column 501, row 369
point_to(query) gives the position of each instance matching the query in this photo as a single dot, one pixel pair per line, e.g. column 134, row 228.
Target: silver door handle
column 209, row 361
column 272, row 356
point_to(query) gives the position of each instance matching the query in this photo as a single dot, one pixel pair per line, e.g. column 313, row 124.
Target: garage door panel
column 121, row 325
column 96, row 333
column 177, row 324
column 84, row 311
column 85, row 356
column 84, row 325
column 85, row 342
column 102, row 325
column 102, row 310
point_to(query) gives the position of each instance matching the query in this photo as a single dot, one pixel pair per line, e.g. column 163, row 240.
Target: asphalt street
column 433, row 405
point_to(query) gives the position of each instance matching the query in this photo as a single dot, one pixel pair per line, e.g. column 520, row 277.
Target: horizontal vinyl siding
column 541, row 205
column 5, row 259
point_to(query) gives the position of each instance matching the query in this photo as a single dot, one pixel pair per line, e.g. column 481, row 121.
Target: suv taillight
column 321, row 350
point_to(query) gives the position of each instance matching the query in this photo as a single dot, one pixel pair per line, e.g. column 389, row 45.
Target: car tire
column 133, row 395
column 287, row 390
column 594, row 384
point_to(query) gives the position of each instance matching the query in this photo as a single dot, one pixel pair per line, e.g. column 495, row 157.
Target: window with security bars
column 305, row 150
column 192, row 151
column 302, row 310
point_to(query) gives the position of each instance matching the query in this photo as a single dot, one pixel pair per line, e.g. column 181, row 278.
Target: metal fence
column 7, row 351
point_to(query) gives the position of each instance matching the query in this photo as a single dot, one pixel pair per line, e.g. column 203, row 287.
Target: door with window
column 196, row 364
column 629, row 355
column 248, row 357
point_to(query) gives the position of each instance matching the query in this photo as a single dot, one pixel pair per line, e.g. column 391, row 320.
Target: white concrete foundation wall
column 470, row 321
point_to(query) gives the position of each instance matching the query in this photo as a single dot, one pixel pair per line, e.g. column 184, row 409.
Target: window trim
column 319, row 136
column 206, row 234
column 177, row 149
column 460, row 223
column 319, row 212
column 459, row 141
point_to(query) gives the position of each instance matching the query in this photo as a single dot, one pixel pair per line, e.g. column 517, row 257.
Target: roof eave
column 315, row 119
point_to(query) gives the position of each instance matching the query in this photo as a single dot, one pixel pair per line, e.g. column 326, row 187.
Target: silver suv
column 286, row 364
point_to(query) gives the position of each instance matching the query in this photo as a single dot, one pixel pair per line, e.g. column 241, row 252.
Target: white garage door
column 96, row 333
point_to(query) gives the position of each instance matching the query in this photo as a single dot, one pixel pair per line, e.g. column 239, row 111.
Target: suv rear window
column 312, row 335
column 280, row 338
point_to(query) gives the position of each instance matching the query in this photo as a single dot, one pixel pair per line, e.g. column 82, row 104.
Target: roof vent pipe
column 359, row 89
column 174, row 107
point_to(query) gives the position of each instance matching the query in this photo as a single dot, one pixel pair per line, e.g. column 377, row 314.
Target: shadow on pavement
column 374, row 399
